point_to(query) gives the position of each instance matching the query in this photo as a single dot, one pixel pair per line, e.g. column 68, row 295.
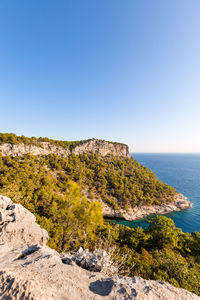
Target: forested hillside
column 119, row 182
column 43, row 184
column 63, row 193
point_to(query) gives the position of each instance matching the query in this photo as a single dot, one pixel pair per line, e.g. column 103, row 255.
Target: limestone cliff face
column 44, row 148
column 100, row 147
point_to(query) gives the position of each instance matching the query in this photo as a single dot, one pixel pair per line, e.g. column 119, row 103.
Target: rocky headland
column 31, row 270
column 140, row 212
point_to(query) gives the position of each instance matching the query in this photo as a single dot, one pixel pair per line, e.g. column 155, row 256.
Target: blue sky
column 125, row 71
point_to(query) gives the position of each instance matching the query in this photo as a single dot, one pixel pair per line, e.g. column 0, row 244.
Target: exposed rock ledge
column 30, row 270
column 100, row 147
column 140, row 212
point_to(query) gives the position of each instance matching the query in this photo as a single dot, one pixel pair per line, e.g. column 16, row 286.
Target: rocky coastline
column 140, row 212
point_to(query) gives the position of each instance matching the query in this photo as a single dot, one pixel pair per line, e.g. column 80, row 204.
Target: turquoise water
column 181, row 171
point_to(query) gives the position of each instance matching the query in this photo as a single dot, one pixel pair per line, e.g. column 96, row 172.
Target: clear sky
column 119, row 70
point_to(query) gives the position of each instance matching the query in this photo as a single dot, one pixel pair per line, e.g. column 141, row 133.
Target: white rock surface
column 36, row 272
column 44, row 148
column 18, row 227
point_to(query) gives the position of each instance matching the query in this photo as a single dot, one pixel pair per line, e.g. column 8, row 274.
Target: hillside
column 120, row 183
column 125, row 188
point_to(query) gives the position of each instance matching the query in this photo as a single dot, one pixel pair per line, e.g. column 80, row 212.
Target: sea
column 182, row 171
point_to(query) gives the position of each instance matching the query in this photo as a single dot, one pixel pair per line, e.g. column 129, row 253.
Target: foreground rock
column 31, row 270
column 140, row 212
column 18, row 227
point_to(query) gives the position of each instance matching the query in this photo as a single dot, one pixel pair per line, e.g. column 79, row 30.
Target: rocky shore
column 140, row 212
column 30, row 270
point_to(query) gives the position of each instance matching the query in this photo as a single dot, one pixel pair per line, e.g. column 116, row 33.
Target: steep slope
column 31, row 270
column 104, row 170
column 124, row 187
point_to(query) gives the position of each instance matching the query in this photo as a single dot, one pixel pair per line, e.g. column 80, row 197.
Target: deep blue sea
column 181, row 171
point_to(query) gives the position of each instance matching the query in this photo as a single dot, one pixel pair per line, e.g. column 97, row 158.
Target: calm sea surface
column 181, row 171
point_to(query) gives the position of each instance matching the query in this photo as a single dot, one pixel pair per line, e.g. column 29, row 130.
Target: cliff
column 43, row 148
column 30, row 270
column 100, row 147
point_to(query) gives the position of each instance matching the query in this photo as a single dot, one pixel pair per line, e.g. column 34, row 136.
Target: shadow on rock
column 102, row 287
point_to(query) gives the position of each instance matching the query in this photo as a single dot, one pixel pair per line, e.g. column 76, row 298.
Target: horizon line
column 131, row 152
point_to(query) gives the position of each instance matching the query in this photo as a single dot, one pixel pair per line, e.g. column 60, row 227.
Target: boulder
column 18, row 227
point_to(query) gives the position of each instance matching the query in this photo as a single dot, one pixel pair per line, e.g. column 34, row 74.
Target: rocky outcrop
column 18, row 226
column 36, row 272
column 100, row 147
column 97, row 261
column 140, row 212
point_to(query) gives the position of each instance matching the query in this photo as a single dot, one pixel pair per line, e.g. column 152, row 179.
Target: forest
column 120, row 182
column 63, row 194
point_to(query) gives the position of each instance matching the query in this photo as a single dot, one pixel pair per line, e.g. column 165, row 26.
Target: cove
column 181, row 171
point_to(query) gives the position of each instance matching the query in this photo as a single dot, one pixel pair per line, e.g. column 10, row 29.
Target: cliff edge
column 100, row 147
column 31, row 270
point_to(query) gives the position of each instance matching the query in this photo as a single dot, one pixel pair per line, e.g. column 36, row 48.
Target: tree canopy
column 63, row 194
